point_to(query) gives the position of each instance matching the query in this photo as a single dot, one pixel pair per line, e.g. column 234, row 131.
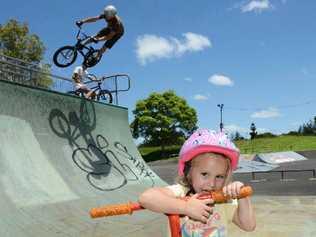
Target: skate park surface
column 284, row 207
column 62, row 155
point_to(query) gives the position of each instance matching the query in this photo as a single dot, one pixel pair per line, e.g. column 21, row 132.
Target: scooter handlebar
column 128, row 208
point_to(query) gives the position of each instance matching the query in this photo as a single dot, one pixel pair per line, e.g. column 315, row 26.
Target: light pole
column 221, row 125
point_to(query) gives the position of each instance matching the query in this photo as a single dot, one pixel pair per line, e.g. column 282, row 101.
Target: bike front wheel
column 105, row 96
column 65, row 56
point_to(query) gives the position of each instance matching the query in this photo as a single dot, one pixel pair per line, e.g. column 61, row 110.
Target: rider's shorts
column 82, row 87
column 109, row 43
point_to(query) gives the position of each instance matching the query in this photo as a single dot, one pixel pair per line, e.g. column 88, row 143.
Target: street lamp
column 221, row 125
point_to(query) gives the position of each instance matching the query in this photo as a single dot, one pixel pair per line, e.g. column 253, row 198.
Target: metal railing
column 282, row 172
column 116, row 88
column 250, row 149
column 39, row 76
column 36, row 75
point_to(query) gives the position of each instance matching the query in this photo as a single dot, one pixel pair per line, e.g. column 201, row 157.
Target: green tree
column 308, row 128
column 237, row 136
column 163, row 119
column 17, row 42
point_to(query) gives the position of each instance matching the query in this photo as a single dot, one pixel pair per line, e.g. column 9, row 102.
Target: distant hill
column 260, row 145
column 279, row 143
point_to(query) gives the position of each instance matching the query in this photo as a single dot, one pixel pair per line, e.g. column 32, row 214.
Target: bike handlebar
column 79, row 24
column 90, row 76
column 93, row 78
column 81, row 32
column 128, row 208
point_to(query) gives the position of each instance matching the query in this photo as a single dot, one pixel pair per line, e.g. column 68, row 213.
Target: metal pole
column 221, row 125
column 116, row 92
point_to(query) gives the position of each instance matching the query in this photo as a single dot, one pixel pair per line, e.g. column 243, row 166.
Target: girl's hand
column 233, row 189
column 198, row 209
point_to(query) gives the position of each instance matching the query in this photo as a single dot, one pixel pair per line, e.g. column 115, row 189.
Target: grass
column 280, row 143
column 260, row 145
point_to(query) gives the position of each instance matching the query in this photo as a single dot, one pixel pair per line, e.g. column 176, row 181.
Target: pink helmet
column 205, row 140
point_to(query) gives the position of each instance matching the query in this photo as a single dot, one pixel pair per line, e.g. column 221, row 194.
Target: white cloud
column 188, row 79
column 262, row 130
column 193, row 42
column 269, row 113
column 200, row 97
column 232, row 128
column 256, row 6
column 151, row 47
column 220, row 80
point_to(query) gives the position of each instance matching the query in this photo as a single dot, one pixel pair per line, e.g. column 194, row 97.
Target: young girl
column 80, row 73
column 206, row 162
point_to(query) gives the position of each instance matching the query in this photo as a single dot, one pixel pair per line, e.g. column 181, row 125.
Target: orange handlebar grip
column 245, row 191
column 114, row 210
column 219, row 197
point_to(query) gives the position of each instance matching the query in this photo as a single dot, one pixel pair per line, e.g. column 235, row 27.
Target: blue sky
column 257, row 57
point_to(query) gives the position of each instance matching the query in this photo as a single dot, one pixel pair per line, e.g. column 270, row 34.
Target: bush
column 155, row 153
column 266, row 135
column 293, row 133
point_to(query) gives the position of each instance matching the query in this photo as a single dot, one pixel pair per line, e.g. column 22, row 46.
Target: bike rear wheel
column 91, row 58
column 105, row 96
column 65, row 56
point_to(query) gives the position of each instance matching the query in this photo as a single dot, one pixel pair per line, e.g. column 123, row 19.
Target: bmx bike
column 98, row 94
column 174, row 219
column 67, row 55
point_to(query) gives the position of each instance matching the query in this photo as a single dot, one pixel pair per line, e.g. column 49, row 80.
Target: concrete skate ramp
column 62, row 155
column 279, row 157
column 246, row 166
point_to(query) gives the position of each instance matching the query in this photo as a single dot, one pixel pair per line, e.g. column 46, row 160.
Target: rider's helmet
column 203, row 141
column 109, row 11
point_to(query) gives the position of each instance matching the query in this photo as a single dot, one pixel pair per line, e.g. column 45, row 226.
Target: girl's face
column 208, row 172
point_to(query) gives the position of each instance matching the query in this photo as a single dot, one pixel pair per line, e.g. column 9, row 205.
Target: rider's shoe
column 99, row 55
column 94, row 40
